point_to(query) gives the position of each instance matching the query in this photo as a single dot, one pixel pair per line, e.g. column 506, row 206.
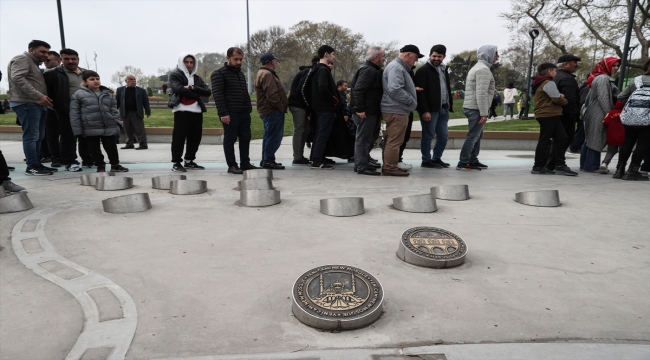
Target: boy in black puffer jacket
column 93, row 115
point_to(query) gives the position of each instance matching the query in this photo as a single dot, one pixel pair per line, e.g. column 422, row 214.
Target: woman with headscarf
column 600, row 101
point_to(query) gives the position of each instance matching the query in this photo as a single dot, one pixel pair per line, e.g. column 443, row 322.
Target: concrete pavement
column 212, row 280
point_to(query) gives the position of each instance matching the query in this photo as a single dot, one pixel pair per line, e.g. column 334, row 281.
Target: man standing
column 234, row 108
column 398, row 100
column 342, row 87
column 29, row 101
column 272, row 104
column 299, row 111
column 130, row 101
column 52, row 130
column 324, row 103
column 434, row 104
column 568, row 86
column 62, row 82
column 479, row 89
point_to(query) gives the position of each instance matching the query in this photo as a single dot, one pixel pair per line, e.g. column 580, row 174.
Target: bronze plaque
column 337, row 297
column 432, row 247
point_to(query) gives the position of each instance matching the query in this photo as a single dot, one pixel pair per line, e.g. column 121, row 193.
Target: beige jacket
column 271, row 96
column 26, row 82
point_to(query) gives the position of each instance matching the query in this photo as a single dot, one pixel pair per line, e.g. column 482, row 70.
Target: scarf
column 604, row 67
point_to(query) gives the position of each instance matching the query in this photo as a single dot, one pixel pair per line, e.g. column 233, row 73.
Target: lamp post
column 533, row 33
column 248, row 51
column 626, row 47
column 58, row 6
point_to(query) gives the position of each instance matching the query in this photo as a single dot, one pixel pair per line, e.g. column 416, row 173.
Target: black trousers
column 407, row 136
column 188, row 126
column 578, row 137
column 239, row 127
column 550, row 131
column 69, row 144
column 108, row 142
column 634, row 135
column 323, row 130
column 52, row 133
column 569, row 125
column 4, row 170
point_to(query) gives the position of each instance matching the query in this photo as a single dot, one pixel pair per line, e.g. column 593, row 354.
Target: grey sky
column 151, row 34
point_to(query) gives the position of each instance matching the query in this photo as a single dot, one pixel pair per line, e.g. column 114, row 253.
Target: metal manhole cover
column 432, row 247
column 337, row 297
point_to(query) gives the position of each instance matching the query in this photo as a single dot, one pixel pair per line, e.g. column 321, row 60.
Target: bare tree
column 118, row 76
column 604, row 21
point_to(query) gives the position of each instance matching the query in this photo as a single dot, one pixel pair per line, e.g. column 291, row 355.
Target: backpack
column 637, row 109
column 305, row 89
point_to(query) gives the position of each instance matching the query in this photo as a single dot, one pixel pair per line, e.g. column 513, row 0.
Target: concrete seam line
column 113, row 334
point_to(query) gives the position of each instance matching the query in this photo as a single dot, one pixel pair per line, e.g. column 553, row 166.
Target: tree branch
column 544, row 28
column 591, row 28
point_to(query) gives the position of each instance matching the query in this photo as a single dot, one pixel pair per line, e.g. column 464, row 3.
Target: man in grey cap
column 271, row 105
column 568, row 86
column 397, row 102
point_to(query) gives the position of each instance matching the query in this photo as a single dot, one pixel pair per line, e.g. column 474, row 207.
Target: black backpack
column 305, row 86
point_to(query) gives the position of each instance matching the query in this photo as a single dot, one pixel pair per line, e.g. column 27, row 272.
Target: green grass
column 510, row 125
column 165, row 118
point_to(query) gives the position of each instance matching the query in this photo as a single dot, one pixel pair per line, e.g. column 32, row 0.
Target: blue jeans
column 436, row 126
column 472, row 144
column 589, row 158
column 272, row 138
column 32, row 118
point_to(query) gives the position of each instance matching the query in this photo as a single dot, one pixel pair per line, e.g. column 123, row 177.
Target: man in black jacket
column 434, row 104
column 300, row 111
column 62, row 82
column 131, row 100
column 234, row 108
column 365, row 102
column 568, row 86
column 324, row 102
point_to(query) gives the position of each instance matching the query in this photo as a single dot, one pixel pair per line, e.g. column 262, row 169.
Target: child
column 93, row 115
column 549, row 104
column 615, row 135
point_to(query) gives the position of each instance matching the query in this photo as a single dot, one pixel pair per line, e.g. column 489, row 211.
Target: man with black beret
column 568, row 85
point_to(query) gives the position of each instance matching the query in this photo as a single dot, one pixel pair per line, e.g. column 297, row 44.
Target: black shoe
column 542, row 171
column 351, row 160
column 620, row 171
column 368, row 171
column 302, row 161
column 178, row 167
column 374, row 165
column 634, row 174
column 11, row 168
column 441, row 163
column 431, row 165
column 118, row 168
column 467, row 166
column 56, row 163
column 193, row 166
column 46, row 160
column 128, row 147
column 248, row 166
column 235, row 170
column 49, row 168
column 564, row 170
column 329, row 161
column 145, row 147
column 272, row 165
column 478, row 165
column 37, row 171
column 374, row 161
column 319, row 166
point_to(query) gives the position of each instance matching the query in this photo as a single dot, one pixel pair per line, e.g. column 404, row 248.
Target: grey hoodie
column 479, row 87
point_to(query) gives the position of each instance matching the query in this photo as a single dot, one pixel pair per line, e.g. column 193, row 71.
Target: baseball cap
column 267, row 58
column 411, row 48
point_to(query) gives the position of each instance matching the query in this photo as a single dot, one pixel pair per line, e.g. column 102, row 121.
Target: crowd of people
column 77, row 113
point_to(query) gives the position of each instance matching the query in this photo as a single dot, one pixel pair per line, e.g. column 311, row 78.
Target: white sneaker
column 73, row 168
column 603, row 168
column 404, row 166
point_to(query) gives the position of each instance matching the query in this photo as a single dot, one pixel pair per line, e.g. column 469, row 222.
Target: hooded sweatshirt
column 479, row 86
column 186, row 104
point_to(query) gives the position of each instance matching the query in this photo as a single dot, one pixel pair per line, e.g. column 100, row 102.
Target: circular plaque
column 432, row 247
column 337, row 297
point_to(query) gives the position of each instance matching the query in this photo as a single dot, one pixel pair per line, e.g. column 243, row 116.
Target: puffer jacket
column 479, row 87
column 367, row 89
column 94, row 116
column 230, row 91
